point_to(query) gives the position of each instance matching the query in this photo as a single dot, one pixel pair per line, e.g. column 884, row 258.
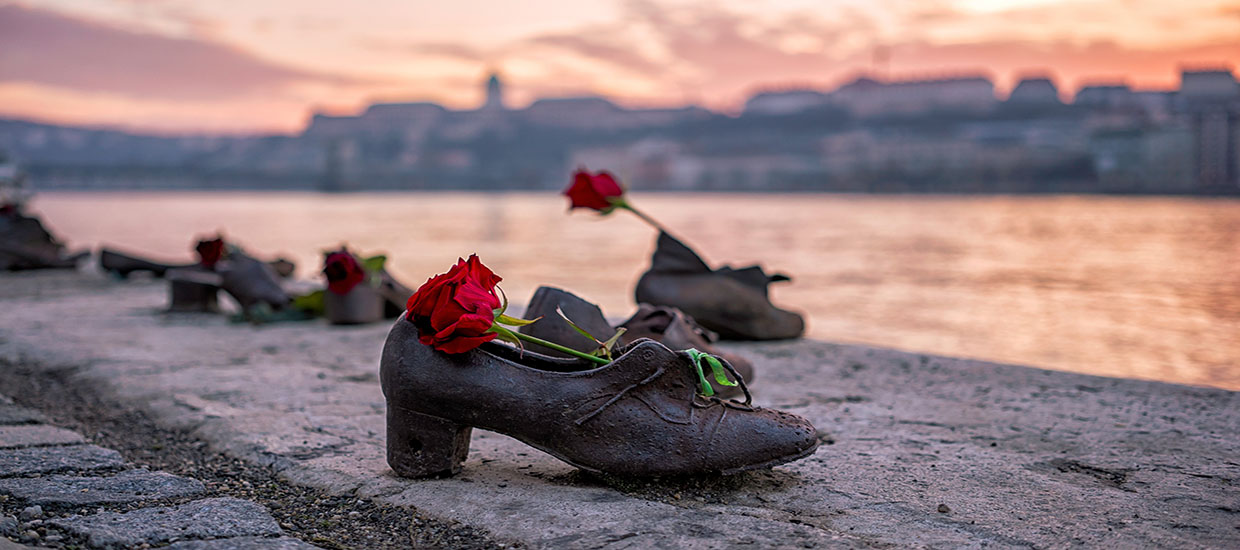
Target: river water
column 1132, row 287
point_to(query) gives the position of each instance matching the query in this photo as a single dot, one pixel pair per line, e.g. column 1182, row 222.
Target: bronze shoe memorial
column 25, row 244
column 193, row 290
column 731, row 302
column 122, row 264
column 360, row 290
column 252, row 283
column 644, row 410
column 665, row 325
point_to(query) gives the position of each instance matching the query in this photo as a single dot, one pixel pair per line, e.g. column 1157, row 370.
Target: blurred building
column 1035, row 91
column 869, row 97
column 1105, row 96
column 785, row 102
column 1210, row 103
column 941, row 135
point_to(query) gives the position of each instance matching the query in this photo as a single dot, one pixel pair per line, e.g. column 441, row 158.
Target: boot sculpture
column 731, row 302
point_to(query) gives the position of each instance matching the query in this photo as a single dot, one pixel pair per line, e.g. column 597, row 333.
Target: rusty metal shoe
column 361, row 304
column 193, row 289
column 25, row 244
column 122, row 264
column 731, row 302
column 637, row 416
column 251, row 282
column 395, row 295
column 553, row 328
column 367, row 304
column 666, row 325
column 678, row 331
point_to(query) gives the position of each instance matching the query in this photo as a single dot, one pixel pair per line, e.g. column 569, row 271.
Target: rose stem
column 558, row 347
column 643, row 216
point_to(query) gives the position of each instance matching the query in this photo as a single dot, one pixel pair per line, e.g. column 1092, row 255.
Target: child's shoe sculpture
column 639, row 415
column 731, row 302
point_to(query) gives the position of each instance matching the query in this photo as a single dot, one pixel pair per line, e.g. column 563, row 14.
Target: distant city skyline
column 265, row 66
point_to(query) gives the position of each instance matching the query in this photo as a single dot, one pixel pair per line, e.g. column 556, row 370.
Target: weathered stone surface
column 8, row 526
column 73, row 491
column 12, row 414
column 49, row 460
column 36, row 435
column 1019, row 457
column 244, row 543
column 200, row 519
column 6, row 544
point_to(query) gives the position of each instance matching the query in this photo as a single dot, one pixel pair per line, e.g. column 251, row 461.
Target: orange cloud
column 649, row 53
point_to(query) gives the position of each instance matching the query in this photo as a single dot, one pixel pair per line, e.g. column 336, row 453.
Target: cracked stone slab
column 50, row 460
column 11, row 414
column 36, row 435
column 244, row 543
column 201, row 519
column 73, row 491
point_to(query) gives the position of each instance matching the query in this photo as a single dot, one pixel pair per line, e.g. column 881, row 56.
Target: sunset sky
column 265, row 65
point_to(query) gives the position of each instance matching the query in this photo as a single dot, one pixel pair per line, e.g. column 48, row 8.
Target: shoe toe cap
column 762, row 438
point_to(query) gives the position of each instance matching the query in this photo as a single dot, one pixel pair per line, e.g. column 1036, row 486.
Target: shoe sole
column 732, row 471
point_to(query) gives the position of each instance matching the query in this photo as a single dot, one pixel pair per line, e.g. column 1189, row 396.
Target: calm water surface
column 1132, row 287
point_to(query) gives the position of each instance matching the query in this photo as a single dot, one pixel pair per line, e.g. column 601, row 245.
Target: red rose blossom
column 455, row 311
column 210, row 252
column 343, row 271
column 596, row 191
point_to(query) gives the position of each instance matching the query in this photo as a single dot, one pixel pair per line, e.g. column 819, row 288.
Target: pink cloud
column 49, row 48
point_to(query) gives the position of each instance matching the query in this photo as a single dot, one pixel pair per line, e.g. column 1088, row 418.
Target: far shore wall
column 46, row 178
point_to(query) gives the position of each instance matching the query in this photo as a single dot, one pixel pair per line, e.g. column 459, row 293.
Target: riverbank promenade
column 917, row 451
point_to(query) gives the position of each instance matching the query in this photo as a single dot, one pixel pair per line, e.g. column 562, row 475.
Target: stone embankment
column 919, row 451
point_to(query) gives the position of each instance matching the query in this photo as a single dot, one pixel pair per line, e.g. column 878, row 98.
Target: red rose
column 210, row 252
column 343, row 271
column 598, row 191
column 456, row 310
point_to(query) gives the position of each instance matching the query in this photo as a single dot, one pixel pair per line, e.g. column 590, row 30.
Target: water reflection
column 1134, row 287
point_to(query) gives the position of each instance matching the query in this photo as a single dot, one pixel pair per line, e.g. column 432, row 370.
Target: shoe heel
column 420, row 445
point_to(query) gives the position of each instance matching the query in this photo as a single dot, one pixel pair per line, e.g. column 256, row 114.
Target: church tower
column 495, row 94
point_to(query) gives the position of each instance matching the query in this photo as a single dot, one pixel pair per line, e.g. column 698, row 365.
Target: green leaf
column 311, row 303
column 721, row 374
column 697, row 358
column 507, row 336
column 513, row 321
column 575, row 327
column 374, row 264
column 611, row 342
